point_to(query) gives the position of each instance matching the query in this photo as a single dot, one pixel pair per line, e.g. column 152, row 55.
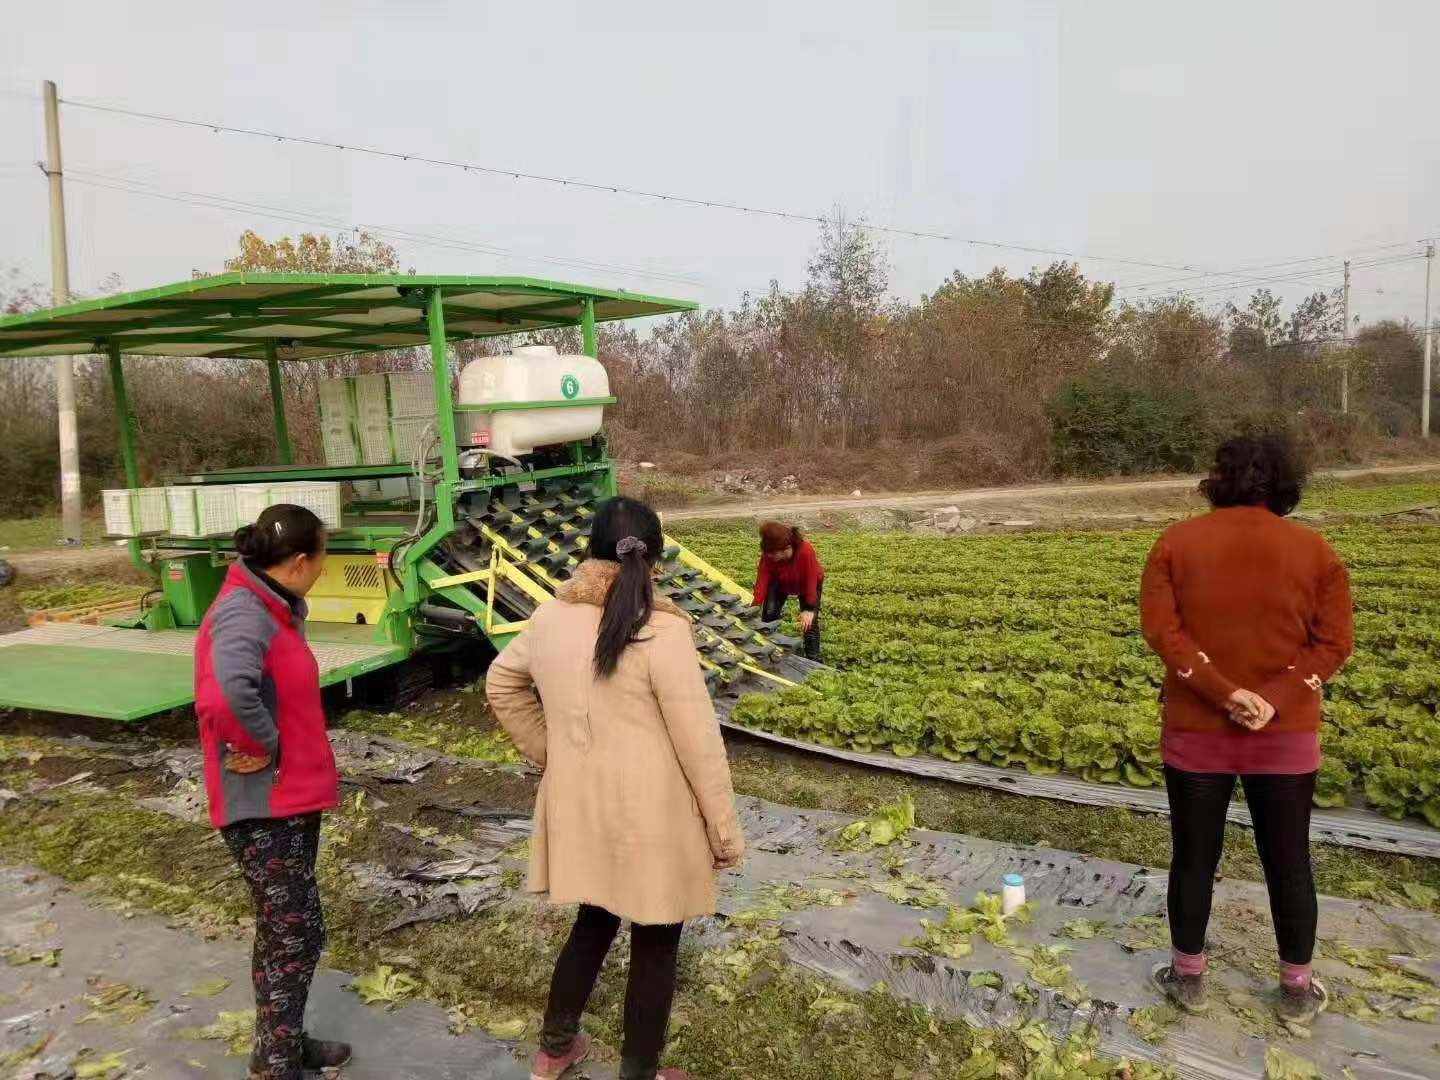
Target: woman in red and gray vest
column 789, row 567
column 269, row 771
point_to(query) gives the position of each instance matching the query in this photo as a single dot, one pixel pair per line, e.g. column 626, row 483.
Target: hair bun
column 245, row 539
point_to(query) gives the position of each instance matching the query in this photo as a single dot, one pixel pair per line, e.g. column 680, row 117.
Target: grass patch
column 453, row 723
column 661, row 489
column 26, row 534
column 1381, row 495
column 69, row 593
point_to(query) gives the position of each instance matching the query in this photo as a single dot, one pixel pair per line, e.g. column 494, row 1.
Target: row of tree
column 989, row 378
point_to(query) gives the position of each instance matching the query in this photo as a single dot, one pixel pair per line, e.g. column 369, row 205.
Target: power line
column 614, row 189
column 126, row 186
column 1301, row 278
column 685, row 200
column 1263, row 266
column 225, row 203
column 222, row 202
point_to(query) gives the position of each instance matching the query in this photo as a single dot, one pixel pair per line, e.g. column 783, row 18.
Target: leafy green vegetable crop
column 1025, row 651
column 70, row 595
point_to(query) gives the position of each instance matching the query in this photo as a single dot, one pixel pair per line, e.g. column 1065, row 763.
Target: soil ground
column 805, row 922
column 152, row 1006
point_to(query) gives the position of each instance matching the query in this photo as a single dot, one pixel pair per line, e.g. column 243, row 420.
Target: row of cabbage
column 1024, row 650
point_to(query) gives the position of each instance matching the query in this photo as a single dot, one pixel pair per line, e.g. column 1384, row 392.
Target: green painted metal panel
column 362, row 667
column 587, row 326
column 444, row 402
column 109, row 683
column 190, row 585
column 75, row 328
column 127, row 446
column 277, row 401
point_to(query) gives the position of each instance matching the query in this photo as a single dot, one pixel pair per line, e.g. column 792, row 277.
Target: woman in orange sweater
column 1252, row 616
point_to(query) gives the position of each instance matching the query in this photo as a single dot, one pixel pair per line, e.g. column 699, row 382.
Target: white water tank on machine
column 540, row 397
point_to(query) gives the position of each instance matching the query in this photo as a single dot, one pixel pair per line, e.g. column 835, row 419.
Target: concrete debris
column 948, row 519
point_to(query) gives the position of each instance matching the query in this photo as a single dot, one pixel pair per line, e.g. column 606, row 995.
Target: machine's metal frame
column 279, row 318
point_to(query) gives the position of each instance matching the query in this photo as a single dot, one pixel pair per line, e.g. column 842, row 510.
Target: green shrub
column 1111, row 420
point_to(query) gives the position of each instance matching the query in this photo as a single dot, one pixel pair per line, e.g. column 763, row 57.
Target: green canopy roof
column 310, row 316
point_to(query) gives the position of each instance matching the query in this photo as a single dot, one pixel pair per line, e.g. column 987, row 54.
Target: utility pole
column 1345, row 345
column 70, row 506
column 1429, row 333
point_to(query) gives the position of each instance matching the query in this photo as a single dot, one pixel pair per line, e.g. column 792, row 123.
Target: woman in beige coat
column 635, row 815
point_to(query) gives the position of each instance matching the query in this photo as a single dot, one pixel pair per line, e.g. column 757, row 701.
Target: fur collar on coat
column 591, row 583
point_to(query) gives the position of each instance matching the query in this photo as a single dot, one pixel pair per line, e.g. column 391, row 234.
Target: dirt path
column 59, row 560
column 927, row 500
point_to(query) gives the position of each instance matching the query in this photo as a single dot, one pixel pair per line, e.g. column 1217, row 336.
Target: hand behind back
column 1249, row 710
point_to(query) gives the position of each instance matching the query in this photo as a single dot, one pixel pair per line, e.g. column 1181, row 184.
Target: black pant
column 775, row 604
column 1280, row 807
column 648, row 994
column 277, row 856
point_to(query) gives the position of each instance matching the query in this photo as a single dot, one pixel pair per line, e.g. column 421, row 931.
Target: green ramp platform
column 120, row 674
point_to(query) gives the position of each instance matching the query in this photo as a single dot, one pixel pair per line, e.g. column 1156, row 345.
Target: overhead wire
column 225, row 202
column 1031, row 322
column 610, row 188
column 81, row 176
column 1296, row 279
column 1238, row 277
column 1265, row 266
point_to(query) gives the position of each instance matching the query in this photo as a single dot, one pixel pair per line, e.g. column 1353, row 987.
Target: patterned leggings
column 278, row 858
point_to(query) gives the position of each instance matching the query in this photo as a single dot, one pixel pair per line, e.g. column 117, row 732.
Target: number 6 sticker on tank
column 569, row 387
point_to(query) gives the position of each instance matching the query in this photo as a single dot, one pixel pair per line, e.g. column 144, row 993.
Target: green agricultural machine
column 453, row 512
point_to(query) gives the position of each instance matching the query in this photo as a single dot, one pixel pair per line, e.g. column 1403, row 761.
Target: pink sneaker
column 545, row 1067
column 672, row 1074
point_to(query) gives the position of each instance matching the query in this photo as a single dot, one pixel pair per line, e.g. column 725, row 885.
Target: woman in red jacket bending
column 269, row 771
column 788, row 567
column 1251, row 615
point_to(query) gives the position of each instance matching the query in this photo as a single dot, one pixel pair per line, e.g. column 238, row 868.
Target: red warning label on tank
column 480, row 438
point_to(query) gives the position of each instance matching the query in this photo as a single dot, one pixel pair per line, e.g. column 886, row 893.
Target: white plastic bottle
column 1012, row 896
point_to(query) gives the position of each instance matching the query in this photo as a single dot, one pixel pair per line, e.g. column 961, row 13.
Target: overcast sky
column 1221, row 135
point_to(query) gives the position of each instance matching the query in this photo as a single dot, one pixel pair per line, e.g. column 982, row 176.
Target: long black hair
column 625, row 531
column 282, row 531
column 1251, row 470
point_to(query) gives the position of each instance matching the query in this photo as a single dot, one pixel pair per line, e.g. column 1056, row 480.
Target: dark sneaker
column 1297, row 1005
column 315, row 1054
column 545, row 1067
column 323, row 1054
column 1184, row 991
